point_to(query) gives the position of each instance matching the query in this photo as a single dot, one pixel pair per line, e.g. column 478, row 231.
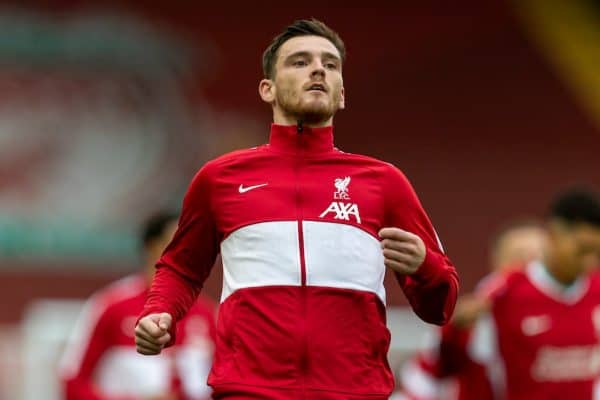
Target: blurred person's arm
column 463, row 349
column 194, row 350
column 468, row 345
column 182, row 269
column 452, row 355
column 433, row 288
column 88, row 342
column 425, row 376
column 482, row 346
column 417, row 380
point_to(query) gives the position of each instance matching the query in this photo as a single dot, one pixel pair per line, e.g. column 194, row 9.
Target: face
column 308, row 83
column 575, row 248
column 519, row 246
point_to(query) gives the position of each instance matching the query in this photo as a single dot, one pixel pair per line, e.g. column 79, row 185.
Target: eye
column 331, row 65
column 299, row 63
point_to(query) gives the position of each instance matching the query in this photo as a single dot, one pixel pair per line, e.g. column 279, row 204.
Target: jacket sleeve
column 433, row 289
column 188, row 259
column 88, row 342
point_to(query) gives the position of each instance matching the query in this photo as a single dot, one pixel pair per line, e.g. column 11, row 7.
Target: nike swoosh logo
column 243, row 189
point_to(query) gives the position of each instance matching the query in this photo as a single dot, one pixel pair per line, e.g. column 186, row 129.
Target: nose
column 318, row 70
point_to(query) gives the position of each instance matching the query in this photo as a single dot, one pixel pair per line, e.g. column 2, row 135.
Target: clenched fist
column 404, row 252
column 152, row 333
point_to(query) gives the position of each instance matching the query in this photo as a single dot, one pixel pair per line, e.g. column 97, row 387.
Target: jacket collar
column 287, row 139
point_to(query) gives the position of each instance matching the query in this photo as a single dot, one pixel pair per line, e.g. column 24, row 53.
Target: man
column 444, row 371
column 541, row 339
column 305, row 232
column 100, row 361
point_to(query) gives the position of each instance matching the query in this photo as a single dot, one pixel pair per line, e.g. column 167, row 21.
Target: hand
column 152, row 333
column 166, row 396
column 468, row 309
column 404, row 252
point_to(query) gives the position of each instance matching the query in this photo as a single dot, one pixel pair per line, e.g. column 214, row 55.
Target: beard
column 310, row 111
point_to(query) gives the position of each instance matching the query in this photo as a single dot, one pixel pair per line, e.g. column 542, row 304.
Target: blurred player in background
column 541, row 340
column 444, row 371
column 100, row 361
column 541, row 337
column 306, row 233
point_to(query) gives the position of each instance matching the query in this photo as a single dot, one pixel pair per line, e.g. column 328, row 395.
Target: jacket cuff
column 431, row 270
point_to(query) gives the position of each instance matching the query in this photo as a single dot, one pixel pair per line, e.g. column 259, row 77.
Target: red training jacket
column 302, row 310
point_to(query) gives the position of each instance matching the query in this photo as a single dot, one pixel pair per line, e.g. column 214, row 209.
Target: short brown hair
column 302, row 27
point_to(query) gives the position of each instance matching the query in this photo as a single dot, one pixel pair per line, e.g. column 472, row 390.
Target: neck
column 281, row 119
column 556, row 271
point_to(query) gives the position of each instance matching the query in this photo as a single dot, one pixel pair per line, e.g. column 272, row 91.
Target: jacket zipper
column 303, row 307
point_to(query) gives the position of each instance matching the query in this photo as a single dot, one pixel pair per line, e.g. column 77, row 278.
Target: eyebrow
column 302, row 53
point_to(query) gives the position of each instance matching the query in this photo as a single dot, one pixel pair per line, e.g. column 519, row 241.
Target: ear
column 342, row 103
column 266, row 90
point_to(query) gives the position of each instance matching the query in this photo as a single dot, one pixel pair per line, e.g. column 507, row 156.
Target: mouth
column 319, row 87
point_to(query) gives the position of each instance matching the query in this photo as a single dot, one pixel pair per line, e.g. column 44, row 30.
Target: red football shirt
column 542, row 339
column 101, row 363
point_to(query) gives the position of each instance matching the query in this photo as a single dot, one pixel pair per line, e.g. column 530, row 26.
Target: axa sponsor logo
column 339, row 209
column 342, row 211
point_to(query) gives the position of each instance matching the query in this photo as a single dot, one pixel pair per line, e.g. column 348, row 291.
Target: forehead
column 524, row 233
column 521, row 236
column 310, row 44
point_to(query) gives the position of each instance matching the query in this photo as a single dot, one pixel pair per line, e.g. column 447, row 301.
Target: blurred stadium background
column 107, row 108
